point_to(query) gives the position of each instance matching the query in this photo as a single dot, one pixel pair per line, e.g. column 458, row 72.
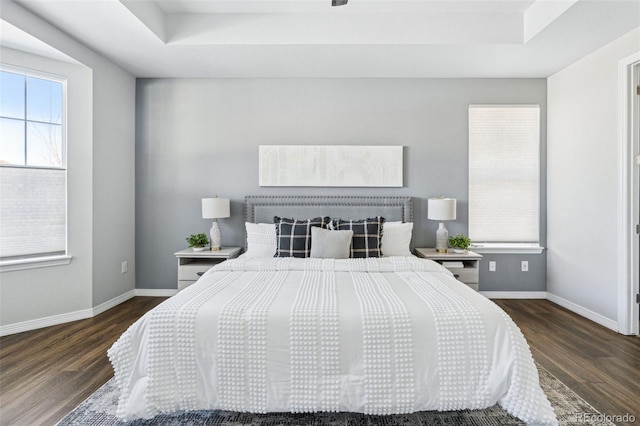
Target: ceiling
column 309, row 38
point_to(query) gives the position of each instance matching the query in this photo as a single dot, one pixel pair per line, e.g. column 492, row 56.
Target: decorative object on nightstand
column 465, row 267
column 460, row 243
column 441, row 209
column 192, row 264
column 197, row 242
column 215, row 208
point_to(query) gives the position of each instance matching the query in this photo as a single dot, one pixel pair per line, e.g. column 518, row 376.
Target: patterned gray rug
column 99, row 410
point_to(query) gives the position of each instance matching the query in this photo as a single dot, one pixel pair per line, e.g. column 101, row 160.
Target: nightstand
column 464, row 266
column 192, row 264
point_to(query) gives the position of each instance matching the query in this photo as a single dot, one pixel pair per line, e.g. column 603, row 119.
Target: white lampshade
column 441, row 209
column 215, row 208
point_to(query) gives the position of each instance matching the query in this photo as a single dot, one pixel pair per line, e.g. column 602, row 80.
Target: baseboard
column 514, row 294
column 113, row 302
column 589, row 314
column 91, row 312
column 156, row 292
column 35, row 324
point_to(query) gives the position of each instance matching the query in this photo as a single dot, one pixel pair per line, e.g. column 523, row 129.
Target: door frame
column 628, row 194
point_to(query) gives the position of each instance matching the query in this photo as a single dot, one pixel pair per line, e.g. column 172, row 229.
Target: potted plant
column 197, row 241
column 460, row 243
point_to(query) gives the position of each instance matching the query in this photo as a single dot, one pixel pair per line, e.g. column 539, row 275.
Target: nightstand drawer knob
column 199, row 274
column 456, row 275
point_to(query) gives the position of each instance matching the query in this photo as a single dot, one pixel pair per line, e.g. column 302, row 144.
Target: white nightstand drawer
column 190, row 271
column 466, row 275
column 192, row 264
column 182, row 284
column 465, row 267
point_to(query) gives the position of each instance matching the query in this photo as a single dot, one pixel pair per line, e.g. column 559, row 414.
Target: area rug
column 99, row 410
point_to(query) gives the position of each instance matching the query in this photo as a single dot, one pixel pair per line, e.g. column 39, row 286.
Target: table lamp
column 441, row 209
column 215, row 208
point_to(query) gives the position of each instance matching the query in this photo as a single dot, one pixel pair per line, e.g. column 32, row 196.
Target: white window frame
column 44, row 260
column 497, row 247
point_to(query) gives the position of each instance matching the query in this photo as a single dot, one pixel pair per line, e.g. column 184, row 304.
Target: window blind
column 33, row 177
column 32, row 212
column 504, row 173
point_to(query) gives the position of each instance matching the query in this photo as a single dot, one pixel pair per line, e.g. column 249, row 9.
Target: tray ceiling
column 365, row 38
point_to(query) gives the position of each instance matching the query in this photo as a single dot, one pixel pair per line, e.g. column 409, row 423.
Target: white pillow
column 327, row 244
column 261, row 239
column 396, row 239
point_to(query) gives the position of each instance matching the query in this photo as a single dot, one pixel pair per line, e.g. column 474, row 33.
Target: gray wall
column 199, row 137
column 113, row 183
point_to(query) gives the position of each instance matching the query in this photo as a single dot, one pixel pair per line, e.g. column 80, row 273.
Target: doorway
column 629, row 145
column 635, row 136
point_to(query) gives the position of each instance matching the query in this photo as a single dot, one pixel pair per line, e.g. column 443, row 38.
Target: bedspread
column 377, row 336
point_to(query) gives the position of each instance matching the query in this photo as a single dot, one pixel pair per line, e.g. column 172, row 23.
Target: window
column 32, row 165
column 504, row 175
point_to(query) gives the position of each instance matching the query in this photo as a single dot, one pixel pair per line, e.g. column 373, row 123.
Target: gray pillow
column 328, row 244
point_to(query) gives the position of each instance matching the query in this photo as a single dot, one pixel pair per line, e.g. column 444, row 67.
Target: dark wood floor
column 601, row 366
column 46, row 373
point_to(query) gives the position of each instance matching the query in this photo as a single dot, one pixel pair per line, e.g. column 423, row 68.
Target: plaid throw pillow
column 367, row 235
column 294, row 236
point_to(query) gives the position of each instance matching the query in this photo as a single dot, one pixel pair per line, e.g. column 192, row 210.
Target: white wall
column 101, row 193
column 37, row 293
column 583, row 172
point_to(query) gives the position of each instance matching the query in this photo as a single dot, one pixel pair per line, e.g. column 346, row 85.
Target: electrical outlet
column 524, row 266
column 492, row 266
column 124, row 267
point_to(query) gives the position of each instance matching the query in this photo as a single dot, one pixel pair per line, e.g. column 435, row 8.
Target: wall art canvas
column 330, row 165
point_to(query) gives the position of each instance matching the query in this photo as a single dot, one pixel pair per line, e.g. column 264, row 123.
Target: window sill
column 506, row 248
column 37, row 262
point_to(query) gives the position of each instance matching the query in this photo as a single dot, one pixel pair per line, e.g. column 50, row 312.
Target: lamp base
column 442, row 239
column 216, row 238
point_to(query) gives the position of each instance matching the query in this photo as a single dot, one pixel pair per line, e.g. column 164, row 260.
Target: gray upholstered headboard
column 262, row 209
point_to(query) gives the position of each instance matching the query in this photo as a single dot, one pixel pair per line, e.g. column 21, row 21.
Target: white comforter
column 377, row 336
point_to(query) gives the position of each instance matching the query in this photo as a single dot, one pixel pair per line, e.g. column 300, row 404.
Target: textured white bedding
column 378, row 336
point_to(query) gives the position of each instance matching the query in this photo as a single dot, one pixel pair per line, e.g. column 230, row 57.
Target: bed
column 376, row 335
